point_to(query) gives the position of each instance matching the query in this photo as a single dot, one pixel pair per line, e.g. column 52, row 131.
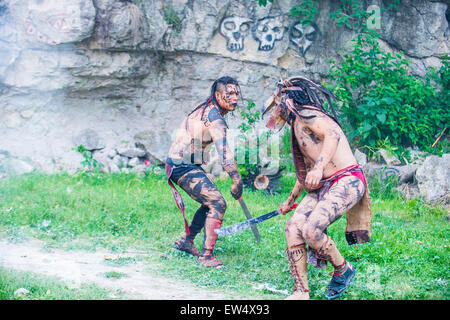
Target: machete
column 249, row 217
column 241, row 226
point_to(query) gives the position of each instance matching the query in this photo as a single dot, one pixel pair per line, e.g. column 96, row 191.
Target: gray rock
column 20, row 167
column 419, row 28
column 410, row 191
column 433, row 177
column 89, row 139
column 403, row 174
column 417, row 157
column 54, row 22
column 131, row 152
column 407, row 173
column 156, row 144
column 361, row 157
column 113, row 168
column 111, row 153
column 120, row 161
column 382, row 156
column 10, row 165
column 133, row 162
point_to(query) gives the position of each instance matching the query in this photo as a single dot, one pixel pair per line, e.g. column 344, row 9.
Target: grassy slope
column 406, row 259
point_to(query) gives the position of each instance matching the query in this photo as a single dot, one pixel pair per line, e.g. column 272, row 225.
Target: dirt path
column 77, row 267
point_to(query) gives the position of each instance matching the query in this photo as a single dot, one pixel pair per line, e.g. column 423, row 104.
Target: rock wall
column 118, row 76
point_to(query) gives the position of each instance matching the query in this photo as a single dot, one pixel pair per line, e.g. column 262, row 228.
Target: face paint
column 228, row 98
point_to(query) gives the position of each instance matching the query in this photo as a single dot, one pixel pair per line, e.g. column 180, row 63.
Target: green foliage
column 89, row 162
column 384, row 188
column 247, row 135
column 306, row 11
column 353, row 14
column 264, row 2
column 350, row 13
column 172, row 18
column 249, row 116
column 380, row 97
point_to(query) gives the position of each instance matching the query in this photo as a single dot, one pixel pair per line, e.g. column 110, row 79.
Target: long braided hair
column 305, row 92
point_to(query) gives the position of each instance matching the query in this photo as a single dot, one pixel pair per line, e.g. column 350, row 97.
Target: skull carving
column 303, row 36
column 235, row 30
column 267, row 31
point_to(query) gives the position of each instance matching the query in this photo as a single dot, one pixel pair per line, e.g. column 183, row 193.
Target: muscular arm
column 219, row 135
column 296, row 191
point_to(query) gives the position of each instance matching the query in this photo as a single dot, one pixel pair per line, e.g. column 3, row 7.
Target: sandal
column 186, row 246
column 209, row 261
column 339, row 283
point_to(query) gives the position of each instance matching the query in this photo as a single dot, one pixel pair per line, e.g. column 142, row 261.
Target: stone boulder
column 156, row 144
column 90, row 139
column 54, row 22
column 382, row 172
column 10, row 165
column 420, row 29
column 360, row 157
column 383, row 156
column 433, row 177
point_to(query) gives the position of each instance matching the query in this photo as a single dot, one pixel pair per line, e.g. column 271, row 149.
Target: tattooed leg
column 344, row 194
column 213, row 221
column 297, row 256
column 299, row 217
column 202, row 189
column 296, row 247
column 198, row 222
column 186, row 242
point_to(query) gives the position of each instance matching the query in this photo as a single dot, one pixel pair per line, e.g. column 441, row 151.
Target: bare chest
column 308, row 141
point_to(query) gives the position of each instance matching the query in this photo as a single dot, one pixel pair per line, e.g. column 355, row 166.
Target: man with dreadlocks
column 327, row 169
column 201, row 128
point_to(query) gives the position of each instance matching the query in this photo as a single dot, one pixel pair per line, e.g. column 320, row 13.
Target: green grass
column 46, row 288
column 408, row 256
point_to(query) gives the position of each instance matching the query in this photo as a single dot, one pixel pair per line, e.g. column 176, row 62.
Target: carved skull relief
column 303, row 36
column 267, row 31
column 235, row 30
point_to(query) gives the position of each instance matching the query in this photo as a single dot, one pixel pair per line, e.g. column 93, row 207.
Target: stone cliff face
column 118, row 76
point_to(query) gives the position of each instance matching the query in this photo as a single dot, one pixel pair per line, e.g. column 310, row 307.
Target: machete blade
column 241, row 226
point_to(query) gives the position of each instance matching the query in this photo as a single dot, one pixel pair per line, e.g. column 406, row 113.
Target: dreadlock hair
column 222, row 81
column 299, row 97
column 309, row 95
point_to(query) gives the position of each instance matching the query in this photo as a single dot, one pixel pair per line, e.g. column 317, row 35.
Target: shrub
column 380, row 98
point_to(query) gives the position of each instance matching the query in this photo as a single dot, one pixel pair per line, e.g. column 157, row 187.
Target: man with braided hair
column 201, row 128
column 327, row 169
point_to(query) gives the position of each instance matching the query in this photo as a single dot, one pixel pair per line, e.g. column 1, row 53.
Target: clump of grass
column 121, row 261
column 114, row 275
